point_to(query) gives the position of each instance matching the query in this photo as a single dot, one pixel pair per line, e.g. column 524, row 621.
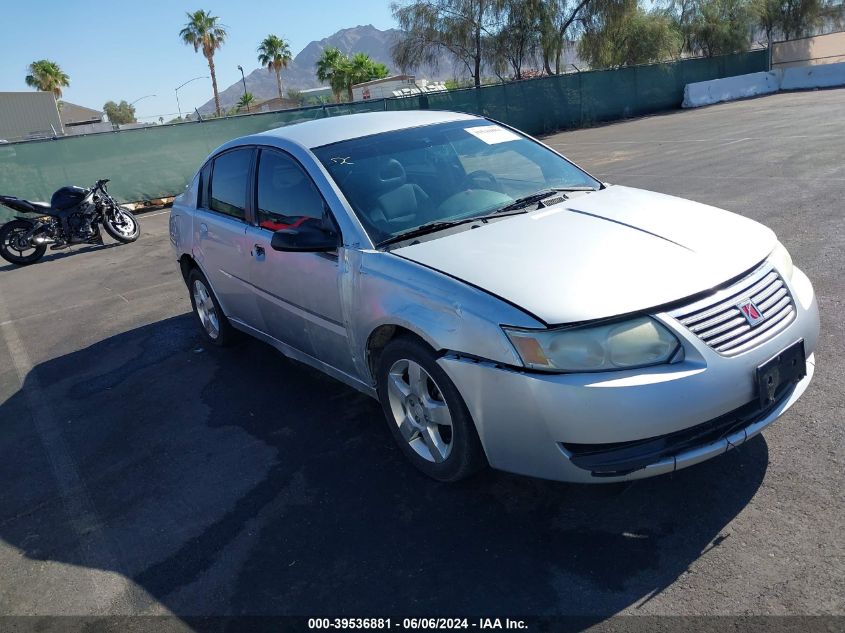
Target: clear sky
column 126, row 50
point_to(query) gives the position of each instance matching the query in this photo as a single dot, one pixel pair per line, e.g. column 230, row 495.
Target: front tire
column 425, row 412
column 215, row 326
column 122, row 225
column 15, row 251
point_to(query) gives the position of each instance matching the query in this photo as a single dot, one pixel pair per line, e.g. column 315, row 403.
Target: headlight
column 782, row 261
column 618, row 345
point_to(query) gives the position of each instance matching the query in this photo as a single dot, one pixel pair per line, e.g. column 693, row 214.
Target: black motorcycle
column 73, row 216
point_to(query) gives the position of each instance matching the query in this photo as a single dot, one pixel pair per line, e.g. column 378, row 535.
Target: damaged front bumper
column 650, row 421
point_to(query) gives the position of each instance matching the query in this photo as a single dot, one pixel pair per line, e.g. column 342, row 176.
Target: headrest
column 389, row 174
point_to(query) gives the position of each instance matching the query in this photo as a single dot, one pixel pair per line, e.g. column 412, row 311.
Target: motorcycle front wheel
column 14, row 248
column 121, row 224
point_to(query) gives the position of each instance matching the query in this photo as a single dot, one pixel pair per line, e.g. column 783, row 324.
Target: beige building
column 395, row 86
column 271, row 105
column 809, row 51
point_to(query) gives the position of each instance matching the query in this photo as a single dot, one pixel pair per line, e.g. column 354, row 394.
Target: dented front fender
column 380, row 288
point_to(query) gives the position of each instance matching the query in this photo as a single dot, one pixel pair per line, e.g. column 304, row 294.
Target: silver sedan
column 504, row 306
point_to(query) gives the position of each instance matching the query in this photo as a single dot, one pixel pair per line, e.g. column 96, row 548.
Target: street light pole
column 136, row 101
column 178, row 106
column 243, row 79
column 139, row 98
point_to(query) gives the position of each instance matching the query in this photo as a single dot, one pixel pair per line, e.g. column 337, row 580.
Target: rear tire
column 9, row 246
column 215, row 326
column 124, row 227
column 425, row 412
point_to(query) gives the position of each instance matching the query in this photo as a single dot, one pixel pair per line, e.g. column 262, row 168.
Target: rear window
column 229, row 177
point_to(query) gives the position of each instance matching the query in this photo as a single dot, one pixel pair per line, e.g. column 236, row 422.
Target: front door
column 298, row 294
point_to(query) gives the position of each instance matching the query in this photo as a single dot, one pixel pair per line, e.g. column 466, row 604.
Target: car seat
column 395, row 203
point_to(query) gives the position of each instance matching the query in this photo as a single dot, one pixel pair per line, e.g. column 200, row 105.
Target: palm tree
column 46, row 76
column 203, row 32
column 331, row 70
column 341, row 72
column 274, row 53
column 363, row 68
column 246, row 100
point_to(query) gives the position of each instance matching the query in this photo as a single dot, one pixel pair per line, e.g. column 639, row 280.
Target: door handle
column 203, row 230
column 257, row 251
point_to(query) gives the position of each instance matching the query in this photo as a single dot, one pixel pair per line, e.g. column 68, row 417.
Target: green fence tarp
column 158, row 161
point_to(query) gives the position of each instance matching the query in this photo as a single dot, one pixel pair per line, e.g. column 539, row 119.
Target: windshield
column 399, row 181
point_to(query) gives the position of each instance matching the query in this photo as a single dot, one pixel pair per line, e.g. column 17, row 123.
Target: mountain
column 300, row 74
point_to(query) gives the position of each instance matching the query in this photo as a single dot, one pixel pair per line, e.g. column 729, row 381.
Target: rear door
column 297, row 293
column 220, row 226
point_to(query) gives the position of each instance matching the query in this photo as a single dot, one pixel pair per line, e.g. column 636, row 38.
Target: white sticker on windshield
column 492, row 134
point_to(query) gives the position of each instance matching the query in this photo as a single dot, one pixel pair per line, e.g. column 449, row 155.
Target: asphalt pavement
column 142, row 472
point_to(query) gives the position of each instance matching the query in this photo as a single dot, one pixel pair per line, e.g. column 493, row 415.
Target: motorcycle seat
column 40, row 208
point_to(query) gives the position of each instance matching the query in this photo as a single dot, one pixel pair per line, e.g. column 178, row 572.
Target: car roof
column 333, row 129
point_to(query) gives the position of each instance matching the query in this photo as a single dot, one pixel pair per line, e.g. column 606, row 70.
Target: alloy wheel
column 206, row 309
column 420, row 411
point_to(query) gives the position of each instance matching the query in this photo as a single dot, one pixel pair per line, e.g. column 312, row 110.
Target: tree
column 621, row 33
column 556, row 18
column 47, row 76
column 204, row 32
column 342, row 72
column 246, row 100
column 720, row 27
column 120, row 112
column 787, row 18
column 800, row 17
column 462, row 28
column 361, row 68
column 330, row 70
column 519, row 36
column 767, row 15
column 683, row 13
column 274, row 53
column 712, row 27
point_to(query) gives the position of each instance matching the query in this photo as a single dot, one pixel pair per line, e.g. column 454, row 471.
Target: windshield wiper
column 515, row 207
column 539, row 196
column 431, row 227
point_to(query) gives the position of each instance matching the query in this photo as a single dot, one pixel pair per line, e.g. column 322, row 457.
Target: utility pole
column 243, row 79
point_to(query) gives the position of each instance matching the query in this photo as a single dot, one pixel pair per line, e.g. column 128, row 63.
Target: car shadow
column 234, row 481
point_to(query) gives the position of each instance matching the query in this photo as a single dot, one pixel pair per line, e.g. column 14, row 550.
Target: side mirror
column 304, row 239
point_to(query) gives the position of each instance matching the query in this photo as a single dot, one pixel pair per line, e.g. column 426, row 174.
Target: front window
column 287, row 198
column 398, row 181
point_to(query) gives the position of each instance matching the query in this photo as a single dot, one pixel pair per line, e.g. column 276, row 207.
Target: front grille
column 718, row 321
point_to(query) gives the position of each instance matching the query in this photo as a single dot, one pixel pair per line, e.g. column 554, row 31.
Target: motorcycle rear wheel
column 12, row 250
column 122, row 225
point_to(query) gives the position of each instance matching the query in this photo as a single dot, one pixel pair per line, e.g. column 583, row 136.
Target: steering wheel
column 477, row 179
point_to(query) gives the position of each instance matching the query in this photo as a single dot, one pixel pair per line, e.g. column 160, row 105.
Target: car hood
column 611, row 252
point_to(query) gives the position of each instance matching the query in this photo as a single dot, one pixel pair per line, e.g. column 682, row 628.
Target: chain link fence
column 157, row 161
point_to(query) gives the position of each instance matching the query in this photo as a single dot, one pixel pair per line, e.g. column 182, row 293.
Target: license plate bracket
column 787, row 366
